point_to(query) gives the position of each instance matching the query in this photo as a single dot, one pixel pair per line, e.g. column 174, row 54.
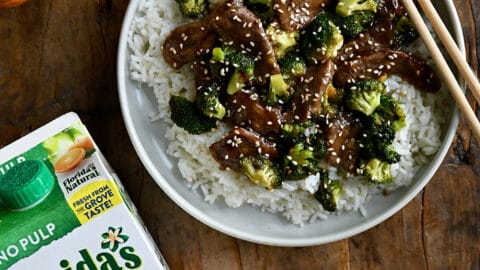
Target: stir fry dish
column 301, row 84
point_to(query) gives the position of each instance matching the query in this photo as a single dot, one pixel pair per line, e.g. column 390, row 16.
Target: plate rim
column 273, row 241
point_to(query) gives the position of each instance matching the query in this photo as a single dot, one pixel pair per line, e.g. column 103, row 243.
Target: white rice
column 416, row 143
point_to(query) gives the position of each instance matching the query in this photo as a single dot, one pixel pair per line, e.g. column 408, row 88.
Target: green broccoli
column 296, row 132
column 405, row 32
column 303, row 159
column 345, row 8
column 357, row 23
column 329, row 192
column 261, row 171
column 208, row 101
column 379, row 131
column 262, row 8
column 375, row 137
column 376, row 141
column 279, row 91
column 364, row 96
column 281, row 40
column 391, row 111
column 387, row 153
column 192, row 8
column 292, row 65
column 242, row 63
column 321, row 39
column 218, row 54
column 376, row 171
column 230, row 56
column 187, row 116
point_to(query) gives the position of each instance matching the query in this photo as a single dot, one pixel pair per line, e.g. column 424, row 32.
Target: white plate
column 247, row 222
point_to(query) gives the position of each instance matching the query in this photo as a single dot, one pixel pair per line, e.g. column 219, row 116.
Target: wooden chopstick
column 452, row 48
column 443, row 68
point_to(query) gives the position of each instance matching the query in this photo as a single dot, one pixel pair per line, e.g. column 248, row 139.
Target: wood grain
column 60, row 55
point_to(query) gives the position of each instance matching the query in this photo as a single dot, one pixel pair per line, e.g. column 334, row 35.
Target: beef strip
column 241, row 28
column 379, row 37
column 297, row 14
column 188, row 41
column 341, row 132
column 411, row 68
column 201, row 73
column 308, row 96
column 390, row 8
column 246, row 109
column 238, row 143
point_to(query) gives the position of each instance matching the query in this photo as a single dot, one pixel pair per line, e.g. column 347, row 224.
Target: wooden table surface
column 60, row 55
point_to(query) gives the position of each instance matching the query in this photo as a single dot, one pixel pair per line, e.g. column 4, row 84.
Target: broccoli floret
column 187, row 116
column 208, row 101
column 329, row 192
column 380, row 128
column 364, row 96
column 376, row 141
column 240, row 60
column 242, row 63
column 279, row 91
column 218, row 54
column 357, row 23
column 321, row 39
column 303, row 160
column 347, row 7
column 379, row 131
column 387, row 153
column 391, row 111
column 237, row 81
column 282, row 41
column 261, row 171
column 382, row 151
column 293, row 65
column 297, row 132
column 405, row 32
column 262, row 8
column 376, row 171
column 382, row 133
column 192, row 8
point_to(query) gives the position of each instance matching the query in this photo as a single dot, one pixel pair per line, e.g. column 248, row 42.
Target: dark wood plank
column 60, row 56
column 389, row 244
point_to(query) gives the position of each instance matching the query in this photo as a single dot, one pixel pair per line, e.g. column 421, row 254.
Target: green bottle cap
column 26, row 185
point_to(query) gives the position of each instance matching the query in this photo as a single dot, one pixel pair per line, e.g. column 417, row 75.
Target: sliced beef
column 188, row 41
column 341, row 132
column 241, row 28
column 379, row 37
column 238, row 143
column 246, row 109
column 390, row 8
column 411, row 68
column 297, row 14
column 201, row 73
column 308, row 96
column 191, row 40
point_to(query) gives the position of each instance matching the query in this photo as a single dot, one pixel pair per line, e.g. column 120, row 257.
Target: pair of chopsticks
column 455, row 54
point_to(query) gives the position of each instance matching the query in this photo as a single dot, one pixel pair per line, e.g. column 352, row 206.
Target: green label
column 38, row 221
